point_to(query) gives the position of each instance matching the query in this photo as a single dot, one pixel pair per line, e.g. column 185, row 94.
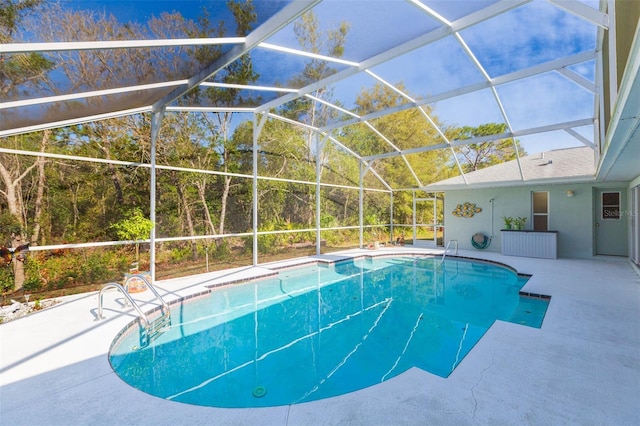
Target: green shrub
column 32, row 280
column 180, row 254
column 32, row 283
column 266, row 243
column 9, row 226
column 73, row 268
column 247, row 245
column 6, row 279
column 223, row 250
column 333, row 238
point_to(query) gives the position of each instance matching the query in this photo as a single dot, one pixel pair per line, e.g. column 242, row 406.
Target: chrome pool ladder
column 446, row 249
column 155, row 329
column 150, row 329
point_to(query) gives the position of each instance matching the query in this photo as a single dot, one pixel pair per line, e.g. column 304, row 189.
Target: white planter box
column 541, row 244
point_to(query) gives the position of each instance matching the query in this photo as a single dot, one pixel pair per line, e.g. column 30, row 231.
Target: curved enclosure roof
column 525, row 72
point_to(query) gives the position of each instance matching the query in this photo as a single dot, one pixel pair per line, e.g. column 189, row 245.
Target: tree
column 405, row 129
column 20, row 71
column 331, row 43
column 204, row 141
column 19, row 178
column 238, row 72
column 477, row 156
column 282, row 154
column 134, row 227
column 288, row 151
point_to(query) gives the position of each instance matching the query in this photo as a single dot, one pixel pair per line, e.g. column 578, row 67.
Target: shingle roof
column 574, row 164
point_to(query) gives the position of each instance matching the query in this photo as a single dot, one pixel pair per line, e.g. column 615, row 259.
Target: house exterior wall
column 572, row 217
column 627, row 15
column 634, row 220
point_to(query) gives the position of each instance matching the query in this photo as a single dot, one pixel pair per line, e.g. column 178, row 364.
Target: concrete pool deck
column 581, row 367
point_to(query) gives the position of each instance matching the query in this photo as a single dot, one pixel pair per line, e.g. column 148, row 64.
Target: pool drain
column 259, row 391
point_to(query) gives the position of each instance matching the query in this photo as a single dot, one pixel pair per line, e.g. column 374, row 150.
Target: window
column 610, row 205
column 540, row 204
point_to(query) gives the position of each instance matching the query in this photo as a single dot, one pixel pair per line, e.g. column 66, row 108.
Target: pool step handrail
column 165, row 306
column 133, row 303
column 151, row 329
column 446, row 249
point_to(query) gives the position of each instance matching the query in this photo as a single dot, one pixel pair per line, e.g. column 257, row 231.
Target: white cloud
column 545, row 99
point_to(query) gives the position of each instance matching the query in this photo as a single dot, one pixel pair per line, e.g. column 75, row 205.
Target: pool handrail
column 121, row 288
column 125, row 291
column 447, row 248
column 164, row 304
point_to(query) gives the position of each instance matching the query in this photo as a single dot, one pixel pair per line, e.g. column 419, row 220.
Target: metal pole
column 156, row 120
column 257, row 128
column 319, row 147
column 435, row 219
column 361, row 207
column 255, row 190
column 414, row 218
column 391, row 216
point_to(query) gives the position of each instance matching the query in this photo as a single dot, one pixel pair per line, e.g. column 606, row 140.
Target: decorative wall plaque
column 466, row 210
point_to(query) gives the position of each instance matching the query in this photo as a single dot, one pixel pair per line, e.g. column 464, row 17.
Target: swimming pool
column 323, row 330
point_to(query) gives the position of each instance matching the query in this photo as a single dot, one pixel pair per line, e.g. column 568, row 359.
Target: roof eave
column 510, row 183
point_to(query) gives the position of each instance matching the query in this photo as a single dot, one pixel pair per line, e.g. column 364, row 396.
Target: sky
column 142, row 10
column 523, row 37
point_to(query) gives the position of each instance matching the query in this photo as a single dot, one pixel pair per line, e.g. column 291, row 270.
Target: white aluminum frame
column 323, row 135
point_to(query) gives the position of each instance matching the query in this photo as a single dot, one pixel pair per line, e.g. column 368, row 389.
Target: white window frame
column 602, row 206
column 534, row 214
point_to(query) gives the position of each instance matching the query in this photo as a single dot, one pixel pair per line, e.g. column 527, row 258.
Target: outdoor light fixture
column 570, row 193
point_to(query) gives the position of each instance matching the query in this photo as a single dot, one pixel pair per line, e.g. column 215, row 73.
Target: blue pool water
column 321, row 331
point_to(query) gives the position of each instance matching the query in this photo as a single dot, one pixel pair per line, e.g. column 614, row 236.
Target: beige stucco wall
column 572, row 217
